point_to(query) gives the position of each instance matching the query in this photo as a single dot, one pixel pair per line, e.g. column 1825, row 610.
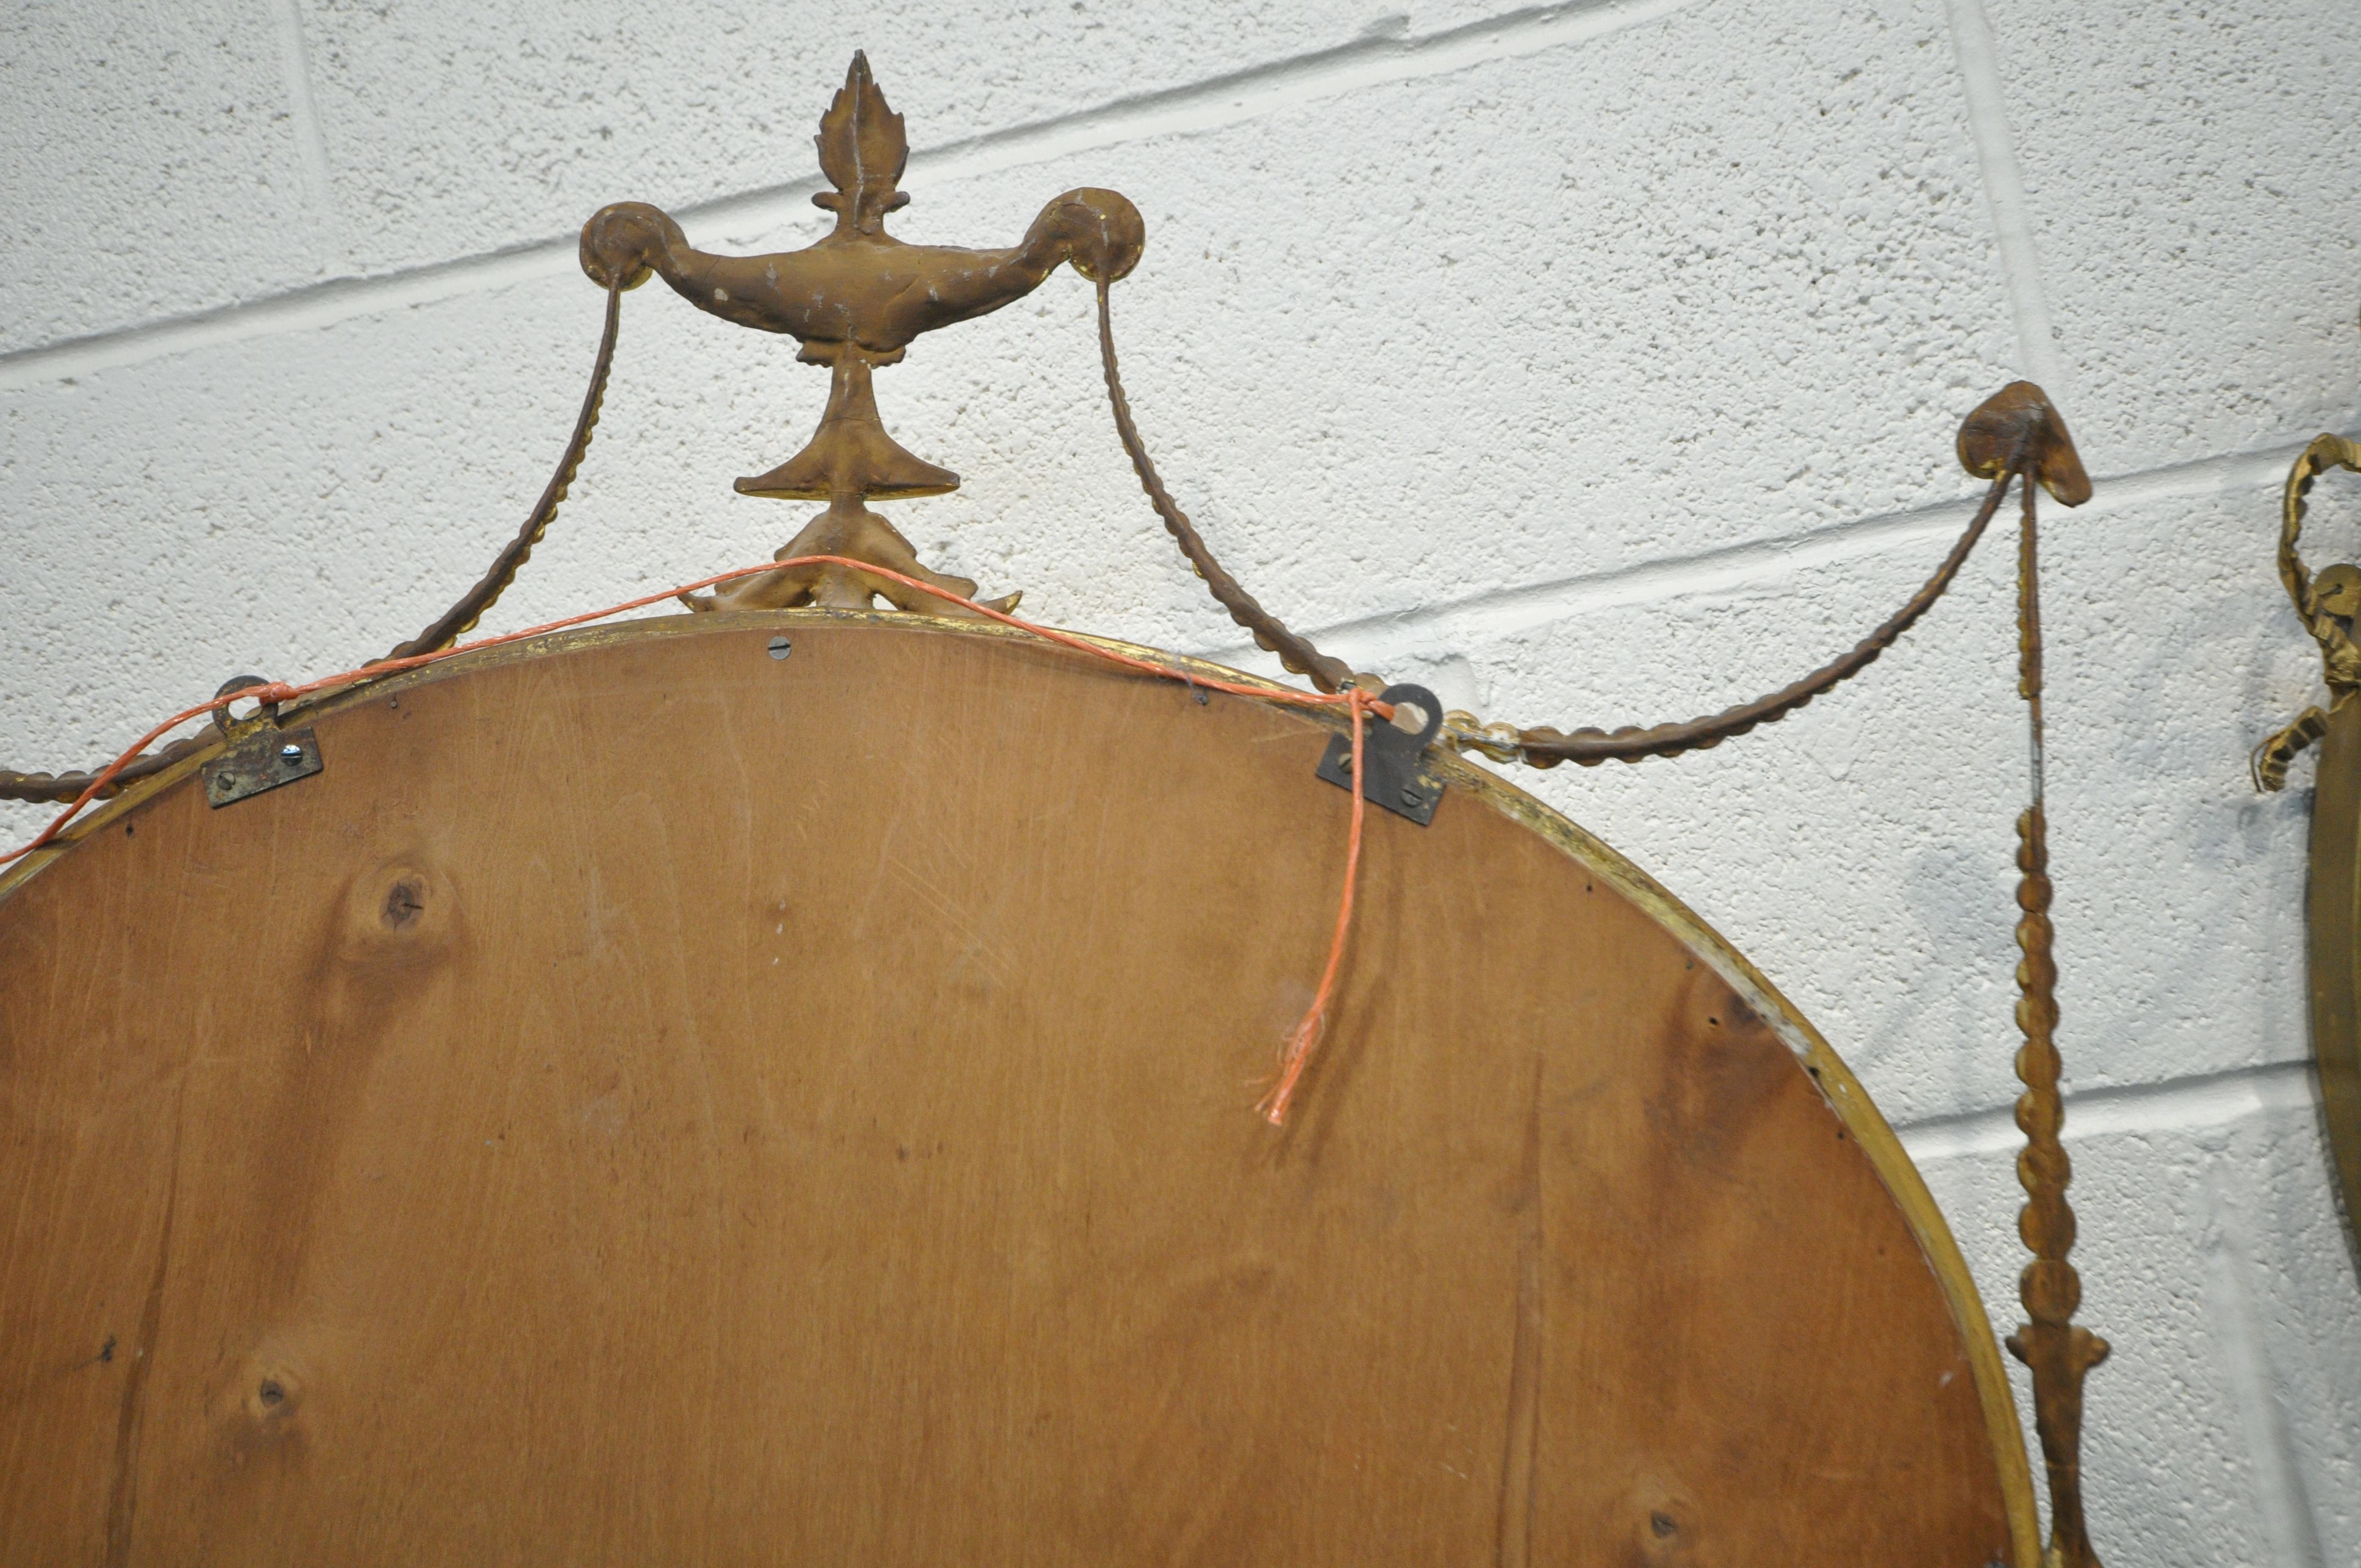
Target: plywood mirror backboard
column 647, row 1100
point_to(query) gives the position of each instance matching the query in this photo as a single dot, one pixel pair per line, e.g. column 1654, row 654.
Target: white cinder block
column 193, row 156
column 457, row 126
column 2181, row 889
column 2189, row 171
column 149, row 163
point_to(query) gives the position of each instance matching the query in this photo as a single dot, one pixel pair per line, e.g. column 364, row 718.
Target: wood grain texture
column 648, row 1103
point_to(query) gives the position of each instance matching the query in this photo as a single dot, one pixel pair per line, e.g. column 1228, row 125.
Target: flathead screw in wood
column 781, row 648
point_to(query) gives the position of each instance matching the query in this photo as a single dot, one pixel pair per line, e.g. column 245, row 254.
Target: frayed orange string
column 1306, row 1033
column 1358, row 703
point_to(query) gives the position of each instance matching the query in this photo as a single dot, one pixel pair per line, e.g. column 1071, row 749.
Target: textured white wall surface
column 1597, row 363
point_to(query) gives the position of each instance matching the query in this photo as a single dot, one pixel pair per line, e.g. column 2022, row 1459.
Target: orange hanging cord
column 1305, row 1036
column 1358, row 703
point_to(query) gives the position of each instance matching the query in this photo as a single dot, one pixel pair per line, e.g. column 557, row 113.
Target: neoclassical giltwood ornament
column 855, row 301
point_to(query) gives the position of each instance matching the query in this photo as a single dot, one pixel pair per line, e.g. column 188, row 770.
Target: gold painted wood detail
column 2327, row 604
column 2057, row 1351
column 854, row 301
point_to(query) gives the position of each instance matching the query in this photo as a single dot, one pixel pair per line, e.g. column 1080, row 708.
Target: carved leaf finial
column 862, row 150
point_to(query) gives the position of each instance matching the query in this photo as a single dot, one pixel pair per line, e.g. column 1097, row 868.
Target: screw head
column 781, row 648
column 290, row 754
column 1409, row 796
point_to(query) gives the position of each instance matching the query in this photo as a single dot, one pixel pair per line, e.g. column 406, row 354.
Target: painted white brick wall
column 1597, row 362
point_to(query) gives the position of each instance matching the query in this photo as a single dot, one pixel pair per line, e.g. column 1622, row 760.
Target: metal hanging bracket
column 1394, row 771
column 262, row 756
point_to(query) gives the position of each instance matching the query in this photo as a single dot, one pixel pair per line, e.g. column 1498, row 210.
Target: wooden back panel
column 650, row 1102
